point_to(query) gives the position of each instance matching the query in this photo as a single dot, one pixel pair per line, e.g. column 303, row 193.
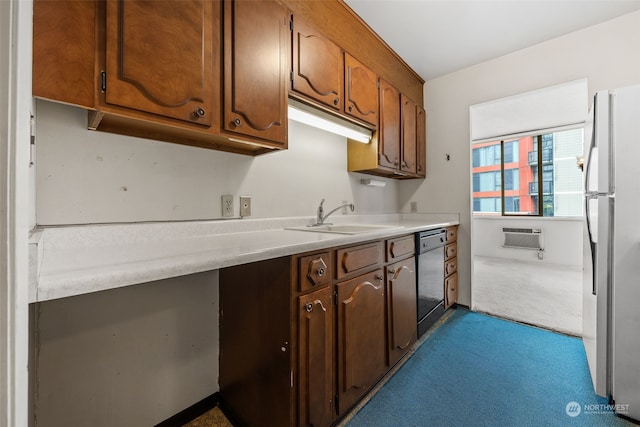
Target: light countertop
column 73, row 260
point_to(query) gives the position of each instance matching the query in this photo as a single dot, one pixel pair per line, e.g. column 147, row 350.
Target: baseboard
column 192, row 412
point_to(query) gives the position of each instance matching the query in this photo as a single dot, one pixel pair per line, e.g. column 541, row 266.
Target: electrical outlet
column 413, row 207
column 227, row 205
column 245, row 206
column 344, row 208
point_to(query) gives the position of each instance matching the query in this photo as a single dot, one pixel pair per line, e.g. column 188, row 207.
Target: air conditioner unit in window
column 523, row 238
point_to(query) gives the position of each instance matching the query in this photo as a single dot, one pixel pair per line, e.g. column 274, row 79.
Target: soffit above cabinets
column 436, row 37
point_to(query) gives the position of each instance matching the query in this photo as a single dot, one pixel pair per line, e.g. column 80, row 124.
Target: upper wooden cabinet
column 398, row 147
column 361, row 91
column 409, row 135
column 318, row 66
column 421, row 141
column 389, row 129
column 256, row 47
column 159, row 57
column 154, row 69
column 215, row 74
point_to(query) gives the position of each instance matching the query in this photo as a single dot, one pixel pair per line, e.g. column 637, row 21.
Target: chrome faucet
column 321, row 217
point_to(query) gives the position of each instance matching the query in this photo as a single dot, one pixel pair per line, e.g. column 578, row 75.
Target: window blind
column 554, row 107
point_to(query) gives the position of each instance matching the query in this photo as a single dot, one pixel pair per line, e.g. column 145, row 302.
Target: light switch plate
column 245, row 206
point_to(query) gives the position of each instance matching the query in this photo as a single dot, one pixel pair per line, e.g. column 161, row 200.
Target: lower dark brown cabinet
column 401, row 308
column 303, row 338
column 315, row 358
column 361, row 336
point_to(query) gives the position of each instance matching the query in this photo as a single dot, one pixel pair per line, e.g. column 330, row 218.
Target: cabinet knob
column 200, row 112
column 350, row 108
column 321, row 272
column 336, row 101
column 392, row 271
column 379, row 276
column 308, row 307
column 237, row 121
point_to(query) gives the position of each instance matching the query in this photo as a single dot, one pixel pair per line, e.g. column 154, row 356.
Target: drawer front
column 451, row 251
column 450, row 267
column 450, row 290
column 451, row 234
column 400, row 248
column 358, row 259
column 315, row 271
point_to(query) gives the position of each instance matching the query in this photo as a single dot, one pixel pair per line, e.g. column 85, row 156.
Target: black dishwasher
column 430, row 278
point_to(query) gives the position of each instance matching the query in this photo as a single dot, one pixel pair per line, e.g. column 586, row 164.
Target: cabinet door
column 389, row 131
column 421, row 142
column 315, row 358
column 255, row 364
column 361, row 336
column 450, row 290
column 409, row 135
column 361, row 86
column 256, row 47
column 401, row 306
column 159, row 57
column 317, row 66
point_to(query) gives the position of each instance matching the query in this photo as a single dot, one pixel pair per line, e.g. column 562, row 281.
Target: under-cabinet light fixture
column 302, row 113
column 373, row 182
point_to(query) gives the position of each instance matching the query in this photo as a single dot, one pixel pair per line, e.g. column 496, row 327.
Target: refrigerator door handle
column 589, row 194
column 587, row 172
column 592, row 245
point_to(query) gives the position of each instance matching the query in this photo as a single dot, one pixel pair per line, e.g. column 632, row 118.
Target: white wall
column 92, row 177
column 606, row 54
column 129, row 357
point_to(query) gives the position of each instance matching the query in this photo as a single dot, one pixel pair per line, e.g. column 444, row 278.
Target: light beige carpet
column 212, row 418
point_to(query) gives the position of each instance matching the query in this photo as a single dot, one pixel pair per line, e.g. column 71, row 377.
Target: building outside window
column 517, row 162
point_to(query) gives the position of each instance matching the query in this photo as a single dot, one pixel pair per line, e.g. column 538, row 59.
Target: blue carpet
column 476, row 370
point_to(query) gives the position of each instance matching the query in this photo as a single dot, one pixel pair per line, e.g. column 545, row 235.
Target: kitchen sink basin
column 344, row 228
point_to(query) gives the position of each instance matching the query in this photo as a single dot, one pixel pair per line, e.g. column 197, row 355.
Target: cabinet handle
column 308, row 307
column 392, row 271
column 320, row 272
column 379, row 276
column 336, row 101
column 200, row 112
column 237, row 121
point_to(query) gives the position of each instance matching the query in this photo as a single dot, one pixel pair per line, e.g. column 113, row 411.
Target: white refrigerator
column 611, row 286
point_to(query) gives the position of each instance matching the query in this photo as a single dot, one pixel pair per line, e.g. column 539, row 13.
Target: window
column 539, row 174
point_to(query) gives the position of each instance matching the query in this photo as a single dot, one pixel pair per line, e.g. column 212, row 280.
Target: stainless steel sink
column 344, row 228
